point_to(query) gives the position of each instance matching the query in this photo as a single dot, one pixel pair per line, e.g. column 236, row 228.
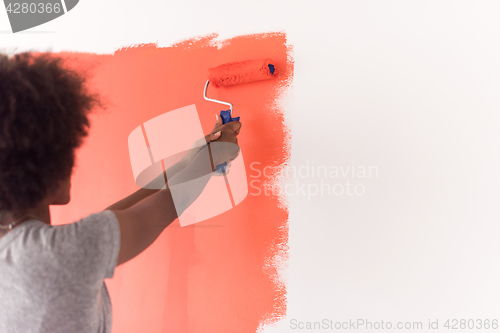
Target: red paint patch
column 211, row 276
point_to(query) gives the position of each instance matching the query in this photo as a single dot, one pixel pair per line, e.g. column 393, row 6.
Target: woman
column 52, row 277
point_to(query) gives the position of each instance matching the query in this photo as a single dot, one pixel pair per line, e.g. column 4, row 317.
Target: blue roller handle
column 226, row 118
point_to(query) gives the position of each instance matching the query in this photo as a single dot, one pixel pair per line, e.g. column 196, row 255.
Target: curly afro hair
column 43, row 119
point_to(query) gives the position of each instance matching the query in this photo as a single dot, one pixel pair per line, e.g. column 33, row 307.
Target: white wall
column 410, row 87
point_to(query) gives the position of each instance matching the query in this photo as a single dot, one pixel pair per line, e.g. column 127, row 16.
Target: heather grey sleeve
column 89, row 246
column 51, row 277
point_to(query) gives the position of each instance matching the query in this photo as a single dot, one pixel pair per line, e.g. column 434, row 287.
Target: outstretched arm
column 160, row 181
column 143, row 221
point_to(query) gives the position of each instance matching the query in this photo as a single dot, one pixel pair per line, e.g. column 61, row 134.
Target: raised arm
column 144, row 220
column 160, row 180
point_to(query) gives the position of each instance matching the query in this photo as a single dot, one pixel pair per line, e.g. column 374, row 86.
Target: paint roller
column 232, row 74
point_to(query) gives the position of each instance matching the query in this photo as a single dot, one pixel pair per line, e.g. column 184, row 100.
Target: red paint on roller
column 213, row 276
column 240, row 72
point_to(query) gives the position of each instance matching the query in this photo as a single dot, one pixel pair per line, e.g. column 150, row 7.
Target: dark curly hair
column 43, row 119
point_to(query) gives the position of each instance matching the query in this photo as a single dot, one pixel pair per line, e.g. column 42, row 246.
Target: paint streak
column 217, row 275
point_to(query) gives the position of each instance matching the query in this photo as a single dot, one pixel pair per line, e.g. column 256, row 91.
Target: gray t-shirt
column 52, row 277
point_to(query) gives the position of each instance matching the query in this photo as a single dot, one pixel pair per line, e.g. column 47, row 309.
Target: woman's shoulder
column 89, row 245
column 28, row 229
column 35, row 233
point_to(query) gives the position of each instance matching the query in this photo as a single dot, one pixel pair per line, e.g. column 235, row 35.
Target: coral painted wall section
column 216, row 275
